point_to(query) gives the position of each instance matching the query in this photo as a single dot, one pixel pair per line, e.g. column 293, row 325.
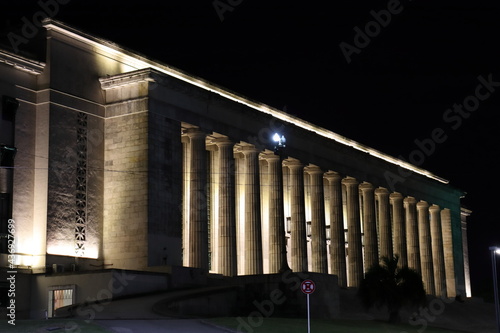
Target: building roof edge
column 144, row 62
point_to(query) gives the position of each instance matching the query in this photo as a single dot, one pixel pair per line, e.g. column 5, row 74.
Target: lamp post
column 494, row 250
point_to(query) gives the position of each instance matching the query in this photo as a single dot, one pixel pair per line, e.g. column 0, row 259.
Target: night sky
column 387, row 74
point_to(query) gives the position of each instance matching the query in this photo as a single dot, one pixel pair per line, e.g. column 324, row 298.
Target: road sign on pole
column 308, row 287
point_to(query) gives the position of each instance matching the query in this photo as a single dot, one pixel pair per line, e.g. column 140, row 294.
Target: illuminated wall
column 18, row 79
column 75, row 183
column 125, row 180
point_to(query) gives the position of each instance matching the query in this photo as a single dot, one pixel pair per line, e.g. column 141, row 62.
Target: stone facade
column 132, row 164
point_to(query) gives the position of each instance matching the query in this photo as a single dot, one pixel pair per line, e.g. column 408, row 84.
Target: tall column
column 412, row 239
column 449, row 260
column 384, row 223
column 226, row 201
column 253, row 228
column 354, row 247
column 464, row 214
column 198, row 213
column 277, row 254
column 337, row 237
column 425, row 247
column 298, row 218
column 213, row 180
column 369, row 225
column 318, row 228
column 437, row 251
column 186, row 179
column 399, row 230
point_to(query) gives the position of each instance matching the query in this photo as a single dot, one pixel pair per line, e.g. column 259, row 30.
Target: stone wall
column 74, row 223
column 164, row 191
column 126, row 190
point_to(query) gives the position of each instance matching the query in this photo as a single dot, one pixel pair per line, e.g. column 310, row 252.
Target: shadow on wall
column 263, row 295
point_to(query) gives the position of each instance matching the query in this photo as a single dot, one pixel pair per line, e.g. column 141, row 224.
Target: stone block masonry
column 126, row 191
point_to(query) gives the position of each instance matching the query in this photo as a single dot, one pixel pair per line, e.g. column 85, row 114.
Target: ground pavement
column 135, row 315
column 471, row 315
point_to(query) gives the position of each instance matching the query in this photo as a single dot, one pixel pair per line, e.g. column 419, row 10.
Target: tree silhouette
column 386, row 284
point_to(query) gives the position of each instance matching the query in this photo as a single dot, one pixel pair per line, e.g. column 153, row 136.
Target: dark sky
column 415, row 64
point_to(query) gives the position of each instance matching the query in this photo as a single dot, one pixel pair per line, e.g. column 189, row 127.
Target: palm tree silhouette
column 386, row 284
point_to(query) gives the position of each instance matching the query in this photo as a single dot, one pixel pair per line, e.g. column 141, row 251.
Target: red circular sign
column 307, row 286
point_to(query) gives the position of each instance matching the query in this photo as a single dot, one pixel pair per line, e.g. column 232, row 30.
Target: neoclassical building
column 114, row 161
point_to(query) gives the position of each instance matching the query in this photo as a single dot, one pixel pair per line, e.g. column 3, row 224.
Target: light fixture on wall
column 280, row 143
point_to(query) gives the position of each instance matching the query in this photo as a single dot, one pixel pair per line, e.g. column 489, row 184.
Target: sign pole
column 308, row 288
column 308, row 316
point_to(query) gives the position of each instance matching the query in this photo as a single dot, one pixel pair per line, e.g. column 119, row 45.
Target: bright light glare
column 276, row 137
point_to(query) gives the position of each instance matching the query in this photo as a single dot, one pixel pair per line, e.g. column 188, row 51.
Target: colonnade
column 249, row 212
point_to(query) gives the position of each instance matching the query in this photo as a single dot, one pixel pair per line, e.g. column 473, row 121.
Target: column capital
column 219, row 143
column 422, row 204
column 247, row 149
column 394, row 196
column 365, row 186
column 222, row 142
column 194, row 133
column 269, row 156
column 382, row 191
column 434, row 208
column 332, row 176
column 313, row 169
column 351, row 181
column 410, row 201
column 293, row 163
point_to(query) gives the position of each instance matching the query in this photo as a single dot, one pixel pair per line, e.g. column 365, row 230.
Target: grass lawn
column 52, row 325
column 282, row 325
